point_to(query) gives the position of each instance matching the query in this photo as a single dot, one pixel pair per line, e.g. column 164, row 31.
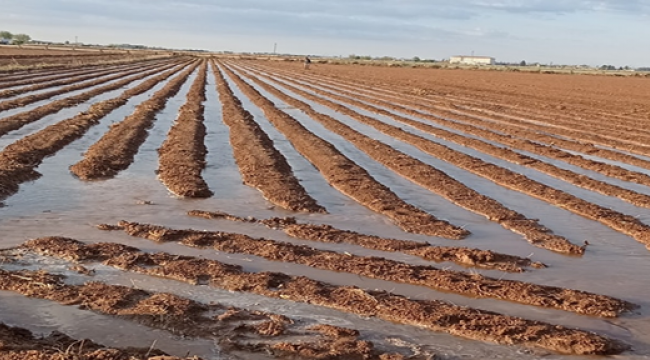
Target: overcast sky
column 560, row 31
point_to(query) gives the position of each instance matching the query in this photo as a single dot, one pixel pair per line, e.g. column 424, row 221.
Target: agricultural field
column 14, row 58
column 216, row 208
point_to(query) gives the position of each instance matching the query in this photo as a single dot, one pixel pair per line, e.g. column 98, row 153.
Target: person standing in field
column 307, row 62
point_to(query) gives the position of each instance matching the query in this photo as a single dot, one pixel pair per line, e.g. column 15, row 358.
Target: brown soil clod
column 260, row 163
column 348, row 177
column 431, row 314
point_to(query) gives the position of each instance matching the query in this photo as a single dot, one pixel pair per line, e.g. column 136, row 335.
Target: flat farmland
column 234, row 209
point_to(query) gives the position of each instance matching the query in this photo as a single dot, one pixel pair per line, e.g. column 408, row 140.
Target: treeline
column 7, row 37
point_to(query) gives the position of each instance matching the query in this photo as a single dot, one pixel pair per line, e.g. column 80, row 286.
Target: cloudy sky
column 559, row 31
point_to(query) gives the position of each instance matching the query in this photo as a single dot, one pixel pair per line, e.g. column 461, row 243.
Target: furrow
column 19, row 343
column 348, row 177
column 261, row 165
column 443, row 108
column 473, row 285
column 182, row 154
column 428, row 176
column 115, row 151
column 430, row 314
column 18, row 160
column 30, row 99
column 579, row 112
column 484, row 259
column 626, row 224
column 232, row 328
column 516, row 139
column 28, row 77
column 15, row 122
column 571, row 177
column 67, row 80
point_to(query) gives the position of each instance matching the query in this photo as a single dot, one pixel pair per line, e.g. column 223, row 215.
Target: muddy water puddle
column 59, row 204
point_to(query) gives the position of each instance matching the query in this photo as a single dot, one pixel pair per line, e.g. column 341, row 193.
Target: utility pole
column 275, row 48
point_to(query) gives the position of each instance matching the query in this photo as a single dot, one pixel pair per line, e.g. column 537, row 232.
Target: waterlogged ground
column 58, row 204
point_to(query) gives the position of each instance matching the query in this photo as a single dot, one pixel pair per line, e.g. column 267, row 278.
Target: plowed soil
column 464, row 256
column 115, row 151
column 234, row 328
column 348, row 177
column 17, row 343
column 602, row 187
column 19, row 160
column 384, row 269
column 433, row 315
column 182, row 155
column 260, row 163
column 364, row 178
column 434, row 179
column 15, row 122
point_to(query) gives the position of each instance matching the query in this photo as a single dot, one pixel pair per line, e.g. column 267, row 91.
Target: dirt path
column 348, row 177
column 430, row 314
column 433, row 179
column 182, row 154
column 115, row 151
column 484, row 259
column 261, row 165
column 19, row 160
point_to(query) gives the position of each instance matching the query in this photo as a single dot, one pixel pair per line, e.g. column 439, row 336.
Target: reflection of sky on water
column 58, row 204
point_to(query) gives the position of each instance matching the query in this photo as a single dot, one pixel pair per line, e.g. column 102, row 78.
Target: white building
column 472, row 60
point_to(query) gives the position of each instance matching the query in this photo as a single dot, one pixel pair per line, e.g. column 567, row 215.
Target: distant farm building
column 472, row 60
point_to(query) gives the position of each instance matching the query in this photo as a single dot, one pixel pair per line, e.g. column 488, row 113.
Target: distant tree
column 6, row 35
column 20, row 39
column 522, row 63
column 416, row 59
